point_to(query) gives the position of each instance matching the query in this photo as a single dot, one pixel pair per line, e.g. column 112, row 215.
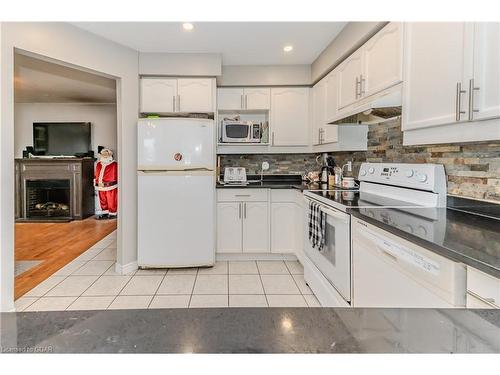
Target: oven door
column 236, row 132
column 334, row 260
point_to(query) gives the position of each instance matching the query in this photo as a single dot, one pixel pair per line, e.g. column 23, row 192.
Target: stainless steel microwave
column 241, row 131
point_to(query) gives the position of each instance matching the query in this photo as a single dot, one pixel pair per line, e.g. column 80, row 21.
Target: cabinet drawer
column 242, row 195
column 484, row 286
column 285, row 195
column 475, row 303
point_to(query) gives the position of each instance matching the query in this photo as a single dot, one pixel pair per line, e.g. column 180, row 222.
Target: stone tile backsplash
column 473, row 169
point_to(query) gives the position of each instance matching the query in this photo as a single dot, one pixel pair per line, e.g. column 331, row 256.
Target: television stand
column 54, row 189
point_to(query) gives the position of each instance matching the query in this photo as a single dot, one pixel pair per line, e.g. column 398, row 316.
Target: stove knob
column 408, row 228
column 409, row 173
column 422, row 231
column 371, row 170
column 422, row 177
column 363, row 172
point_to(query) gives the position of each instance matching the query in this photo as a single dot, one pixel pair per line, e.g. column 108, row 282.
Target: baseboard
column 253, row 256
column 126, row 268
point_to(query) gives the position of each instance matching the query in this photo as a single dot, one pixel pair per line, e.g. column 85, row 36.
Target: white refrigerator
column 176, row 192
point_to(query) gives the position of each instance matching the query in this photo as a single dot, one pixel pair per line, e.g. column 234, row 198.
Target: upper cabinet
column 485, row 82
column 374, row 67
column 323, row 101
column 158, row 95
column 382, row 60
column 289, row 116
column 235, row 99
column 437, row 62
column 350, row 73
column 195, row 95
column 167, row 95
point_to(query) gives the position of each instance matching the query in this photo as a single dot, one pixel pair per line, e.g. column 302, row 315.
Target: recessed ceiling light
column 188, row 26
column 288, row 48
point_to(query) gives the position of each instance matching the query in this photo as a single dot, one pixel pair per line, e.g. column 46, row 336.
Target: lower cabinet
column 283, row 227
column 242, row 224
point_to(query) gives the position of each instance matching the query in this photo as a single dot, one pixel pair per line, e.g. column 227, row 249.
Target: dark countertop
column 271, row 182
column 461, row 236
column 254, row 330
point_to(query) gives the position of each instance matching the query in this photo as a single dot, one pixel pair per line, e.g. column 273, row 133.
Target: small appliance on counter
column 235, row 176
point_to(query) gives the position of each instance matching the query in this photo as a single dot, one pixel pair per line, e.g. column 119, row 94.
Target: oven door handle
column 336, row 214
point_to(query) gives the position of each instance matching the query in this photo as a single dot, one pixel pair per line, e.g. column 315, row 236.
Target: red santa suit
column 106, row 182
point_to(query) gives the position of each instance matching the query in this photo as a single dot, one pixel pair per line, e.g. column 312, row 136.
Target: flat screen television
column 62, row 138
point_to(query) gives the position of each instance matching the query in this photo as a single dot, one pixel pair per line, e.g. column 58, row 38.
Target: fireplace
column 48, row 198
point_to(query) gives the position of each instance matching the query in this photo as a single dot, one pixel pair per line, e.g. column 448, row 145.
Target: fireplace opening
column 48, row 198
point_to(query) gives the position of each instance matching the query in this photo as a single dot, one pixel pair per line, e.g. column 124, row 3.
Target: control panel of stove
column 429, row 177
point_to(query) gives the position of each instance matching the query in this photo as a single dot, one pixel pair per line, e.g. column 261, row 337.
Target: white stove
column 411, row 195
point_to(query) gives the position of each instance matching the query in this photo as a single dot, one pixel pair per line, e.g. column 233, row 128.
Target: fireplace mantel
column 79, row 172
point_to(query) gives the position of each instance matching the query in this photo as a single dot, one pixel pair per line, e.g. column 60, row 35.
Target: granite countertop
column 272, row 182
column 253, row 330
column 461, row 236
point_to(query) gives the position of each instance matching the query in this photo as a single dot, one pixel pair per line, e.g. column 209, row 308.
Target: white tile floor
column 90, row 283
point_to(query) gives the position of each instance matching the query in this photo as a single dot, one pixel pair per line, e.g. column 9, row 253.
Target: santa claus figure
column 106, row 184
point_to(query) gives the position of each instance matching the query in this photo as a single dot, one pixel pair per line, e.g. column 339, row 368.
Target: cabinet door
column 195, row 95
column 383, row 64
column 229, row 98
column 486, row 97
column 330, row 133
column 435, row 59
column 257, row 98
column 255, row 227
column 319, row 111
column 157, row 95
column 229, row 227
column 283, row 227
column 349, row 73
column 332, row 95
column 289, row 116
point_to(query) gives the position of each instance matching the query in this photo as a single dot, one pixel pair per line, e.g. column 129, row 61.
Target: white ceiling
column 239, row 43
column 38, row 81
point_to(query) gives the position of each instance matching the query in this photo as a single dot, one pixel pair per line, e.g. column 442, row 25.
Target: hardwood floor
column 55, row 244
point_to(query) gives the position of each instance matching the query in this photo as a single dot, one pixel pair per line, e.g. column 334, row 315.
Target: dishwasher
column 389, row 271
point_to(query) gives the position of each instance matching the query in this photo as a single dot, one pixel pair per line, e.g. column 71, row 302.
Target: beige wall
column 352, row 36
column 68, row 44
column 264, row 75
column 102, row 117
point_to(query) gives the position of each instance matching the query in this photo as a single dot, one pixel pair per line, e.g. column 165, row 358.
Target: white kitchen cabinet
column 383, row 60
column 235, row 99
column 483, row 287
column 485, row 83
column 350, row 73
column 435, row 73
column 229, row 228
column 255, row 227
column 195, row 95
column 158, row 95
column 168, row 95
column 229, row 98
column 283, row 227
column 319, row 111
column 474, row 302
column 332, row 95
column 242, row 220
column 323, row 132
column 289, row 116
column 257, row 98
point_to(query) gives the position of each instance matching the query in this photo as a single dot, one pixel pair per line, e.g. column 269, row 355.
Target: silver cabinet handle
column 242, row 195
column 239, row 211
column 319, row 136
column 361, row 88
column 241, row 102
column 356, row 87
column 179, row 103
column 246, row 102
column 173, row 103
column 472, row 88
column 458, row 102
column 272, row 138
column 244, row 210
